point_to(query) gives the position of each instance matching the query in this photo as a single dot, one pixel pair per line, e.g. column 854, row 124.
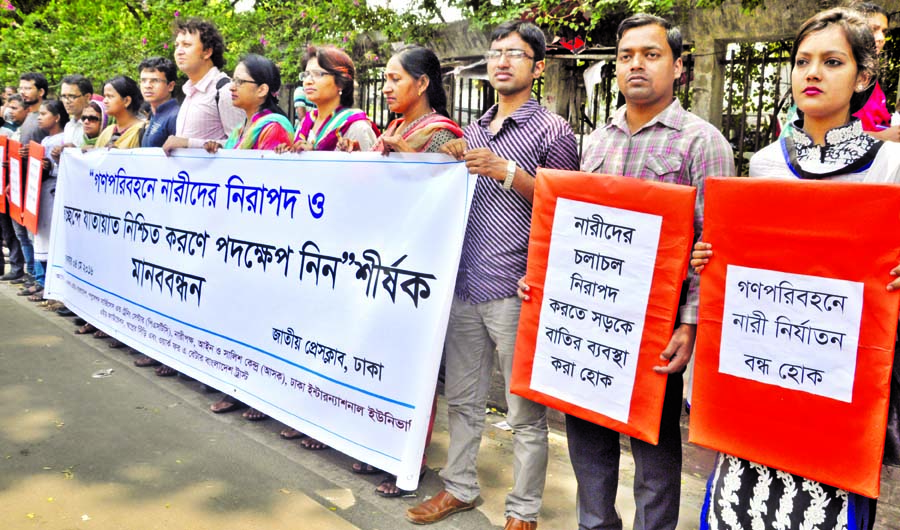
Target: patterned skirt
column 743, row 495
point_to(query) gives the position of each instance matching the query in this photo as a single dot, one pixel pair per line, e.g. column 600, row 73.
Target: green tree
column 102, row 39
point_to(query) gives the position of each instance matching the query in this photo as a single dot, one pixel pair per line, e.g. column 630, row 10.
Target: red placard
column 33, row 187
column 823, row 229
column 675, row 205
column 16, row 183
column 3, row 162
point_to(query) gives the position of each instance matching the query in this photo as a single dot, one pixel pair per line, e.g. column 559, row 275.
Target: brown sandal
column 165, row 371
column 85, row 329
column 144, row 361
column 226, row 404
column 252, row 414
column 291, row 434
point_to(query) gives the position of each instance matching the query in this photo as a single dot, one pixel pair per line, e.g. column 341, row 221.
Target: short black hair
column 83, row 83
column 55, row 107
column 127, row 87
column 210, row 37
column 530, row 33
column 673, row 34
column 40, row 82
column 160, row 64
column 868, row 9
column 264, row 72
column 15, row 97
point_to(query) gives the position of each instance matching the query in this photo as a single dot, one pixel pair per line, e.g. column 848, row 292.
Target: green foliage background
column 103, row 38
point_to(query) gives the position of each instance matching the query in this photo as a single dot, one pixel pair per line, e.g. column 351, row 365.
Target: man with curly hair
column 206, row 114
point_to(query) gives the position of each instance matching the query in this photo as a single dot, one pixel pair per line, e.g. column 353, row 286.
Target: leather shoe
column 517, row 524
column 437, row 508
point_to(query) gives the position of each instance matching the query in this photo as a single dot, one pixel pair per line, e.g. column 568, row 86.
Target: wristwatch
column 510, row 175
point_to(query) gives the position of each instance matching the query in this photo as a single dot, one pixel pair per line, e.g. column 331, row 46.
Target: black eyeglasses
column 238, row 83
column 90, row 118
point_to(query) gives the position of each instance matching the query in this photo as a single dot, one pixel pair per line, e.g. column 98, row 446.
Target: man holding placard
column 17, row 114
column 33, row 88
column 504, row 148
column 651, row 138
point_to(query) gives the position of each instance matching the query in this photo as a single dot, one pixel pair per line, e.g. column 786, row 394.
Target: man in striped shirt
column 504, row 148
column 651, row 138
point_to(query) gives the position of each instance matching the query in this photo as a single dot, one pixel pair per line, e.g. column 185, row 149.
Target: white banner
column 792, row 330
column 586, row 330
column 315, row 287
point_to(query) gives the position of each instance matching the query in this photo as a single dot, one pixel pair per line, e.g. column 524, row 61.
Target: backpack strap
column 224, row 80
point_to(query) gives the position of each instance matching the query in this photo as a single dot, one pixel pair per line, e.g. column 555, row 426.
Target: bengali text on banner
column 314, row 287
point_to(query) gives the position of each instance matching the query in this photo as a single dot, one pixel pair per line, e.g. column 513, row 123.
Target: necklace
column 407, row 126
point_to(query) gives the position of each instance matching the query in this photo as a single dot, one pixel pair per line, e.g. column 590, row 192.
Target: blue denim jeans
column 40, row 272
column 27, row 246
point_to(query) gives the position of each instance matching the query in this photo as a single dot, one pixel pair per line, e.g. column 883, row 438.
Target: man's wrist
column 510, row 175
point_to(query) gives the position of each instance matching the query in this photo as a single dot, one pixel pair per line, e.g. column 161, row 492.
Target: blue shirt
column 495, row 248
column 161, row 124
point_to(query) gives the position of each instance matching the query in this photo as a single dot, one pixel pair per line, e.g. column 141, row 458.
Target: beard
column 30, row 102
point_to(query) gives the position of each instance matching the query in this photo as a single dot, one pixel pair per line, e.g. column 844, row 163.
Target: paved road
column 134, row 451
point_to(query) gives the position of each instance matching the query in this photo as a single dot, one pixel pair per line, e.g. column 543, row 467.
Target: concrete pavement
column 88, row 441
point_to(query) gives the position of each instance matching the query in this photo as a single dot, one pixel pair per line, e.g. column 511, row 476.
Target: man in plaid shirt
column 651, row 138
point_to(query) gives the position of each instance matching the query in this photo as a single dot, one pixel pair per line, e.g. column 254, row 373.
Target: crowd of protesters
column 835, row 53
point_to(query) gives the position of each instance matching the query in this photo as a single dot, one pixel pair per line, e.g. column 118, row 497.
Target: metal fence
column 469, row 95
column 757, row 92
column 587, row 109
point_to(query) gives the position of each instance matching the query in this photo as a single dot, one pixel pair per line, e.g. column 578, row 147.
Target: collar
column 520, row 116
column 672, row 117
column 847, row 149
column 260, row 114
column 203, row 85
column 165, row 107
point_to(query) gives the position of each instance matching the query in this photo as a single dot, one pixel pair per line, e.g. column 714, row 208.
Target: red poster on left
column 33, row 187
column 15, row 181
column 3, row 159
column 606, row 260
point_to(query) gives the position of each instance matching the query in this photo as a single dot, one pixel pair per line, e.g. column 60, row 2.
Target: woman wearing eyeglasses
column 254, row 87
column 328, row 83
column 254, row 90
column 413, row 88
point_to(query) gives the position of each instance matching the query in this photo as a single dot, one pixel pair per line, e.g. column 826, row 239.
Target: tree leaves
column 104, row 39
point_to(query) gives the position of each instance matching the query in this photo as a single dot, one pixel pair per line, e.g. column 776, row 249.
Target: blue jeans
column 40, row 272
column 27, row 246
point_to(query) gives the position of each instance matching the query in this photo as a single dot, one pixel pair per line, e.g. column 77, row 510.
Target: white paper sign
column 599, row 272
column 15, row 182
column 314, row 287
column 791, row 330
column 31, row 190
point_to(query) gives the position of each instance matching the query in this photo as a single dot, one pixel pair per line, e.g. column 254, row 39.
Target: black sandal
column 392, row 481
column 361, row 468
